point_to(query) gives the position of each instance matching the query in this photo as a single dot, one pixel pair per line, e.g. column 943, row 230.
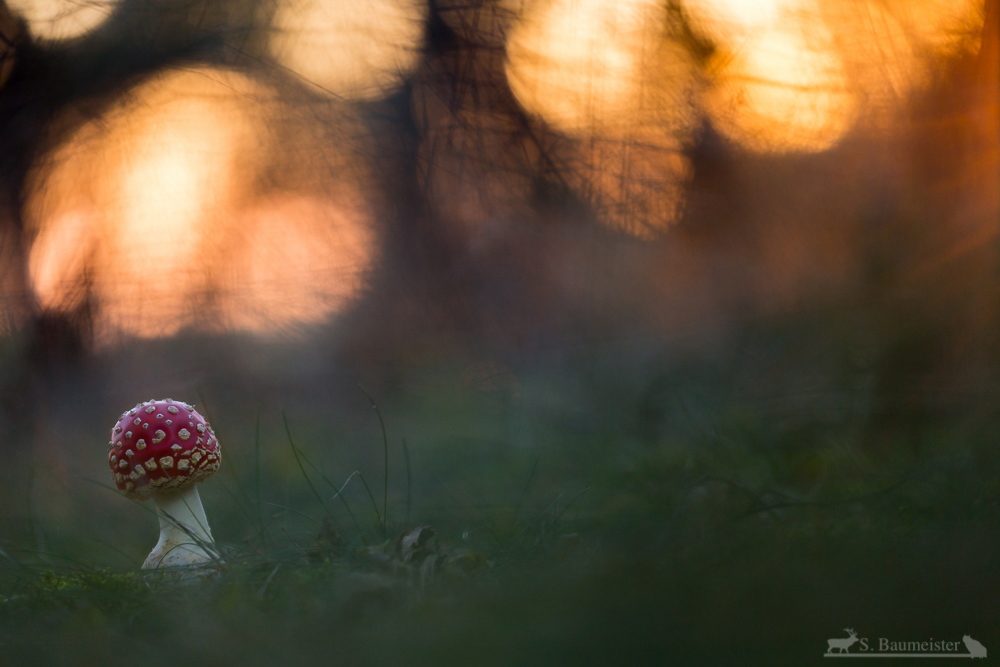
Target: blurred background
column 625, row 238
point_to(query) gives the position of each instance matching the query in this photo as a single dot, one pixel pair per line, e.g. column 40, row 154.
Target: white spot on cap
column 169, row 422
column 196, row 456
column 158, row 436
column 201, row 428
column 151, row 464
column 141, row 445
column 159, row 415
column 128, row 434
column 173, row 410
column 150, row 409
column 129, row 452
column 198, row 441
column 183, row 434
column 118, row 444
column 145, row 425
column 118, row 429
column 137, row 421
column 183, row 464
column 166, row 462
column 176, row 448
column 113, row 458
column 129, row 486
column 191, row 424
column 122, row 463
column 132, row 411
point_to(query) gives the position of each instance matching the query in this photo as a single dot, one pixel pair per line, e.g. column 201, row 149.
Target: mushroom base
column 185, row 538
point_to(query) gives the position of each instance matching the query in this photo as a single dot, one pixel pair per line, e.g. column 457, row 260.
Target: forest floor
column 718, row 527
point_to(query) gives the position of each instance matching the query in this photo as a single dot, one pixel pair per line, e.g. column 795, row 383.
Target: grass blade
column 256, row 459
column 385, row 467
column 305, row 475
column 409, row 484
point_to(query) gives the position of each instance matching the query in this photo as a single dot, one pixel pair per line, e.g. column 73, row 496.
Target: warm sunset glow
column 600, row 67
column 777, row 94
column 147, row 208
column 779, row 83
column 612, row 77
column 794, row 75
column 358, row 50
column 880, row 57
column 140, row 189
column 184, row 151
column 637, row 186
column 946, row 27
column 62, row 19
column 59, row 259
column 893, row 48
column 297, row 260
column 727, row 22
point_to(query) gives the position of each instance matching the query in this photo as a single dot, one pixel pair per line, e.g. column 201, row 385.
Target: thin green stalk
column 385, row 467
column 339, row 495
column 409, row 484
column 293, row 511
column 267, row 581
column 372, row 498
column 295, row 452
column 256, row 451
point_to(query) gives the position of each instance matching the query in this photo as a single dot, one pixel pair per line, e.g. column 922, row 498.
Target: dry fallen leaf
column 414, row 546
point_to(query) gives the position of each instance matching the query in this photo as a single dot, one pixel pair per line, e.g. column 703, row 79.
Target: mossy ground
column 672, row 513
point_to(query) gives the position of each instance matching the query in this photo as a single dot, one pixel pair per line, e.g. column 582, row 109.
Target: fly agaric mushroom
column 159, row 450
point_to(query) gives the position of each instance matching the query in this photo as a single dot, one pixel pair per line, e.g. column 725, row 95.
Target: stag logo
column 842, row 645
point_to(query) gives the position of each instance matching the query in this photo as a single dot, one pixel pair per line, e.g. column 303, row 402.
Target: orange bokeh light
column 616, row 80
column 776, row 94
column 146, row 210
column 795, row 75
column 945, row 27
column 62, row 19
column 296, row 260
column 598, row 67
column 357, row 50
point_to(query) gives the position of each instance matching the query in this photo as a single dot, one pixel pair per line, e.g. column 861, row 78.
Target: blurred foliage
column 733, row 536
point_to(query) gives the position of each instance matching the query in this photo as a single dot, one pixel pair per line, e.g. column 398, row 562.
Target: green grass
column 729, row 529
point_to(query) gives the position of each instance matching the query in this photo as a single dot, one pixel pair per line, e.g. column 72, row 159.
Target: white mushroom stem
column 185, row 538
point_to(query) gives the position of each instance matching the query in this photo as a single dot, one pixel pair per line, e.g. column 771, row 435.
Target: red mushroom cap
column 159, row 445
